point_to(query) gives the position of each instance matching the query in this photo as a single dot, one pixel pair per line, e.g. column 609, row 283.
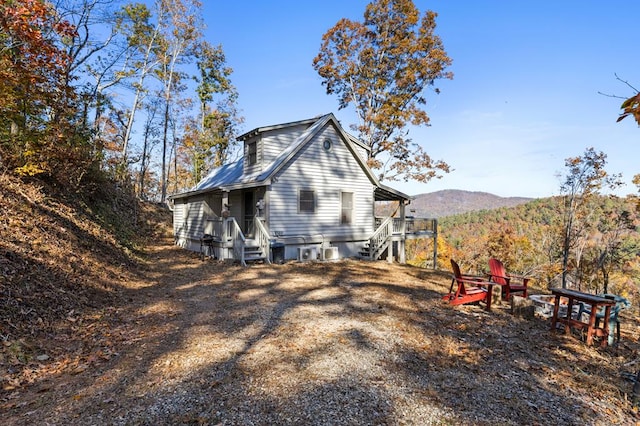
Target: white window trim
column 353, row 203
column 249, row 144
column 315, row 201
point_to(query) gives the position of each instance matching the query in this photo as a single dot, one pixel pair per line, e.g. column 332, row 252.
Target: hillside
column 452, row 201
column 66, row 260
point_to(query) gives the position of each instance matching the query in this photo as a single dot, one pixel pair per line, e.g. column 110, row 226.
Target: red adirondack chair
column 510, row 283
column 467, row 288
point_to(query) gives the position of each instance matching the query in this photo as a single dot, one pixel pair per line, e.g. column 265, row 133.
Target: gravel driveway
column 336, row 343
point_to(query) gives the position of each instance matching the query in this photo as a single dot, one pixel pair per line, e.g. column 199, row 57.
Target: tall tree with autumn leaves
column 182, row 25
column 631, row 108
column 585, row 177
column 383, row 67
column 32, row 84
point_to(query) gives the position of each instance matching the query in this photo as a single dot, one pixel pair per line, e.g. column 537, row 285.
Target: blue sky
column 523, row 99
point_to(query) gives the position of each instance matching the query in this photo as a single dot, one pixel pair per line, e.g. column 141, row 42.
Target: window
column 307, row 201
column 252, row 153
column 346, row 201
column 327, row 144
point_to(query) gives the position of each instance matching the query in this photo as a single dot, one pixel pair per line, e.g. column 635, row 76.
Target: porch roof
column 386, row 193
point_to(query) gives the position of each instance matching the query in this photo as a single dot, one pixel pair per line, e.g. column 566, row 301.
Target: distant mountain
column 453, row 201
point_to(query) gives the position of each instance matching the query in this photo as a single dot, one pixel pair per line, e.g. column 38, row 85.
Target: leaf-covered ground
column 98, row 328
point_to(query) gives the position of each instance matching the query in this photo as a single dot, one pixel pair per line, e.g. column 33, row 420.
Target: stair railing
column 380, row 238
column 262, row 236
column 233, row 230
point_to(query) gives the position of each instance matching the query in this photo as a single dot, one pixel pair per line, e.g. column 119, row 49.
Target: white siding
column 194, row 217
column 328, row 173
column 270, row 145
column 189, row 217
column 362, row 152
column 179, row 230
column 275, row 141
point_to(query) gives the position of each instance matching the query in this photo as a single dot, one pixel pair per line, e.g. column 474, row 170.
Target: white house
column 302, row 190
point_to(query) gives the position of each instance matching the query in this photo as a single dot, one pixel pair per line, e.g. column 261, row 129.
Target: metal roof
column 231, row 176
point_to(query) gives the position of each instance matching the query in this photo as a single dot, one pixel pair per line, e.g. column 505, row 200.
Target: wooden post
column 402, row 258
column 435, row 243
column 225, row 215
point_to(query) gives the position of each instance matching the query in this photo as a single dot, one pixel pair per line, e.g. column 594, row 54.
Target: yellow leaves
column 30, row 169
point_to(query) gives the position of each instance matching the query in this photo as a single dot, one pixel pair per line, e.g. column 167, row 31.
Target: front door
column 249, row 213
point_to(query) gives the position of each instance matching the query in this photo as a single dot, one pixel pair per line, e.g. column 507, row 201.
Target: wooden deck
column 414, row 228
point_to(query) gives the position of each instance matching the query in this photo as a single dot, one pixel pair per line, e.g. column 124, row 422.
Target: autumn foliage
column 383, row 66
column 529, row 239
column 36, row 100
column 92, row 99
column 631, row 107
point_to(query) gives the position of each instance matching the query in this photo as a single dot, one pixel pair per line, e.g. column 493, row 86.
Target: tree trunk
column 129, row 129
column 165, row 131
column 143, row 164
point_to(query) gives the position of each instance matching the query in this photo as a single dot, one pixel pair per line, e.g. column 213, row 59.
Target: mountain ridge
column 450, row 202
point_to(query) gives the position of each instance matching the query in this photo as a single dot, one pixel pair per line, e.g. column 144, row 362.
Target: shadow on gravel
column 322, row 343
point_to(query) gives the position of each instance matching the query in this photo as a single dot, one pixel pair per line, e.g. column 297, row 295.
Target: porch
column 228, row 241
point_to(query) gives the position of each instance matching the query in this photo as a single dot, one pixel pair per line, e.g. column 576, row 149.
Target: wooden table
column 596, row 303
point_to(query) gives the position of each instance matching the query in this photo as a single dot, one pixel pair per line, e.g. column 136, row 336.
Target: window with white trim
column 346, row 208
column 252, row 153
column 306, row 201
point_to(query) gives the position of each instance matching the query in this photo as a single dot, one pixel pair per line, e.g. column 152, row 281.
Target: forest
column 97, row 89
column 605, row 257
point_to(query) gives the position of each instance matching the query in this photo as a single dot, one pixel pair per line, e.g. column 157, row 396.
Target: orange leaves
column 631, row 107
column 31, row 27
column 382, row 66
column 33, row 77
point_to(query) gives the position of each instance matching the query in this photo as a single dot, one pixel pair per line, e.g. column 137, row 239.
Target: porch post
column 403, row 228
column 225, row 214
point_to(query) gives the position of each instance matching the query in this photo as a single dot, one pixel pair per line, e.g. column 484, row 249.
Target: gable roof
column 258, row 130
column 230, row 176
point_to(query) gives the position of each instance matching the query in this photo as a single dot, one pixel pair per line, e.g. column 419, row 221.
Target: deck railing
column 215, row 227
column 412, row 225
column 421, row 225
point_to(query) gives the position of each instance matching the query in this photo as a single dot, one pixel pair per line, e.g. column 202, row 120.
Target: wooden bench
column 596, row 302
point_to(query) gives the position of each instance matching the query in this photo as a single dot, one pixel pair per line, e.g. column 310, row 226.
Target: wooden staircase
column 365, row 251
column 379, row 242
column 252, row 252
